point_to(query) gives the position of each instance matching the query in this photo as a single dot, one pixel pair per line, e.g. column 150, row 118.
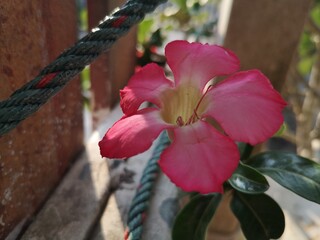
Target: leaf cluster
column 259, row 215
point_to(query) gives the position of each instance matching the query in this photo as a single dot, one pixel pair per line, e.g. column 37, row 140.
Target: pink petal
column 199, row 63
column 246, row 106
column 132, row 135
column 145, row 85
column 200, row 158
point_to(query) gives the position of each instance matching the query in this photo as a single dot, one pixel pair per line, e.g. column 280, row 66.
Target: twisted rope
column 29, row 98
column 141, row 199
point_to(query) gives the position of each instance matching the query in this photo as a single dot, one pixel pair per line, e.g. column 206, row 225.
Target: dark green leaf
column 192, row 222
column 259, row 215
column 248, row 180
column 293, row 172
column 245, row 150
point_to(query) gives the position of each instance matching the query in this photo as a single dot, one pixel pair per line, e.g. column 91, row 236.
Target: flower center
column 183, row 105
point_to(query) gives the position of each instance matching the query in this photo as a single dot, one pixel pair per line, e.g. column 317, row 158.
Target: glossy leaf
column 245, row 150
column 259, row 215
column 248, row 180
column 192, row 222
column 298, row 174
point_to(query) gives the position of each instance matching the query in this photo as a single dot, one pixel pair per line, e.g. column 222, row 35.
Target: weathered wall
column 35, row 155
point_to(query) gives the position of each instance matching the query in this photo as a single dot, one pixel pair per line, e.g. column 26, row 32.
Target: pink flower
column 203, row 122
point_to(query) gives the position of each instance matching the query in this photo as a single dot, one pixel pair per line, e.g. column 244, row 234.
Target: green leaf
column 248, row 180
column 192, row 222
column 281, row 130
column 298, row 174
column 144, row 30
column 306, row 46
column 315, row 13
column 182, row 4
column 259, row 215
column 305, row 65
column 245, row 150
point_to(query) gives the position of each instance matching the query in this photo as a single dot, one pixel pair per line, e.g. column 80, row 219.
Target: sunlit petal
column 246, row 106
column 198, row 63
column 132, row 135
column 200, row 158
column 145, row 85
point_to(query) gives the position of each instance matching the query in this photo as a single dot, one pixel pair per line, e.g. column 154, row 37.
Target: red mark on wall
column 46, row 79
column 119, row 21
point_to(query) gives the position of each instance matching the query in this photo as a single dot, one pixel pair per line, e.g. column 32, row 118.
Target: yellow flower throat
column 183, row 105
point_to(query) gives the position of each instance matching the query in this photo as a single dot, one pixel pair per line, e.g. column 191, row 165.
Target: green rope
column 141, row 199
column 30, row 97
